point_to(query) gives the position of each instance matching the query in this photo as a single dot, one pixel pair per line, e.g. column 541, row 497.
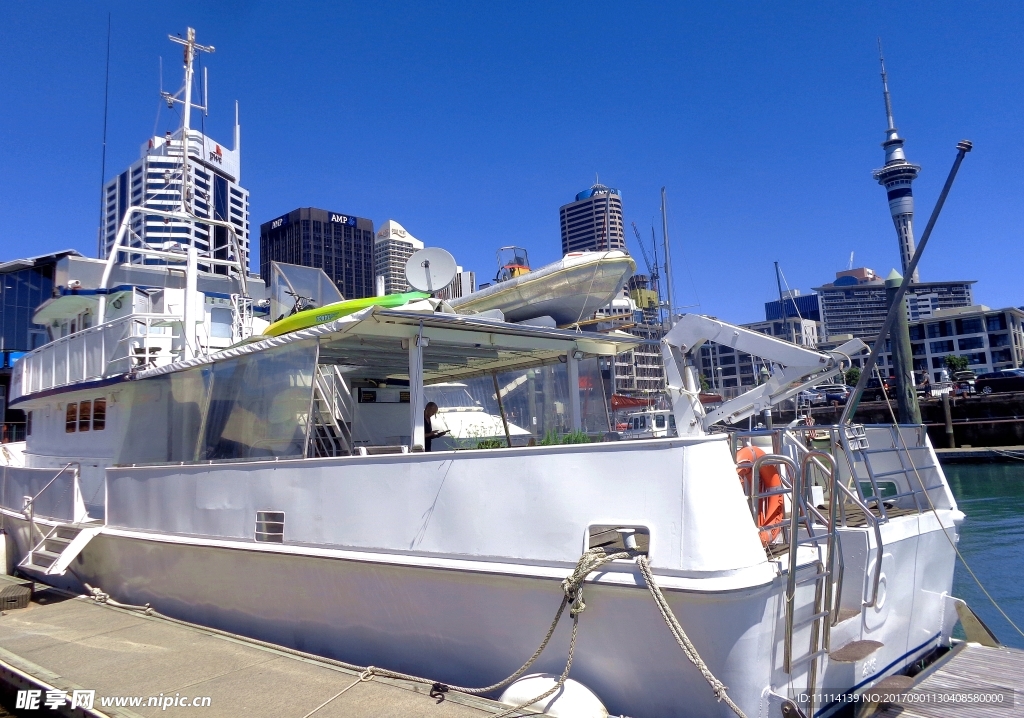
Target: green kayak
column 330, row 312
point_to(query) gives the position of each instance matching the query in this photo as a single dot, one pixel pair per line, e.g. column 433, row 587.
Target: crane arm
column 796, row 368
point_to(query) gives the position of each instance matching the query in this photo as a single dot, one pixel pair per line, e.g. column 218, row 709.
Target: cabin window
column 220, row 323
column 28, row 423
column 164, row 417
column 71, row 419
column 99, row 415
column 259, row 404
column 84, row 415
column 659, row 421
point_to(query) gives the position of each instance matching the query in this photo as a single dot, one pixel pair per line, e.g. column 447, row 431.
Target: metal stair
column 55, row 552
column 331, row 420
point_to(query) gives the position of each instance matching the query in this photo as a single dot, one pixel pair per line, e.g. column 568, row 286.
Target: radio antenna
column 103, row 154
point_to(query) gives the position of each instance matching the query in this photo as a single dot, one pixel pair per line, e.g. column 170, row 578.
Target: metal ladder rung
column 811, row 619
column 808, row 658
column 815, row 577
column 882, row 475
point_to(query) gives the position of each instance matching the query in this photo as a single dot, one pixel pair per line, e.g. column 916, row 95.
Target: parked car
column 873, row 390
column 963, row 383
column 1004, row 380
column 811, row 397
column 834, row 392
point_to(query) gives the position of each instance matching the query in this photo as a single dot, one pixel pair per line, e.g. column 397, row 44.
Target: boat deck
column 65, row 643
column 988, row 682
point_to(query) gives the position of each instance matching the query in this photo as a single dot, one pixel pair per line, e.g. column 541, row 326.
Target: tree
column 955, row 363
column 852, row 376
column 704, row 385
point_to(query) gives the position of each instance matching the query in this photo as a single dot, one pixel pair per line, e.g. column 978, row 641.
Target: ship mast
column 184, row 98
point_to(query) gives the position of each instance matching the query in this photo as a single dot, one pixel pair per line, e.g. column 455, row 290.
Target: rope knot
column 590, row 561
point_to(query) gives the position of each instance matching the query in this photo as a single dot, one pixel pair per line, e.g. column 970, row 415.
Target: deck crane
column 652, row 268
column 795, row 368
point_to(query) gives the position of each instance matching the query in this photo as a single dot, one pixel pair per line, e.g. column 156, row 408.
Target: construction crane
column 652, row 268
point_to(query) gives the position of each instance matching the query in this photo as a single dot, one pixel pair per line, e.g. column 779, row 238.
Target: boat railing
column 133, row 342
column 853, row 443
column 20, row 492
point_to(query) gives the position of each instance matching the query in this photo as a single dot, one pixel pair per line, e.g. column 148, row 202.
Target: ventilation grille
column 270, row 526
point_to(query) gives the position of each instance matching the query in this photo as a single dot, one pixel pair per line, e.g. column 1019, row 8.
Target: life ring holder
column 771, row 509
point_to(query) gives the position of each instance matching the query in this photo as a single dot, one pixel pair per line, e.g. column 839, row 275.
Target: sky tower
column 896, row 177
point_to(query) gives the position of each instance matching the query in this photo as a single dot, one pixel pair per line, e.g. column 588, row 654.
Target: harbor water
column 992, row 542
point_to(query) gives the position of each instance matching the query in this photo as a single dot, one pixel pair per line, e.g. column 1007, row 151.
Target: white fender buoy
column 3, row 551
column 572, row 700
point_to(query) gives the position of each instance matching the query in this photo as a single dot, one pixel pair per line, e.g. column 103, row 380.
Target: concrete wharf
column 971, row 681
column 64, row 643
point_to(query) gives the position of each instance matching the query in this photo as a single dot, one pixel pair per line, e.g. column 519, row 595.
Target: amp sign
column 343, row 219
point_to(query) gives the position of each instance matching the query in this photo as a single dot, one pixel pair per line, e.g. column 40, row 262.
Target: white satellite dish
column 430, row 269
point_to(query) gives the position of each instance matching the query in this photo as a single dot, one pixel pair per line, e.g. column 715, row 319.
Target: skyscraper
column 339, row 244
column 203, row 182
column 593, row 222
column 896, row 177
column 391, row 250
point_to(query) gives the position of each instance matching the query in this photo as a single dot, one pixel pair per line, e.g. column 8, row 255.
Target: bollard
column 949, row 421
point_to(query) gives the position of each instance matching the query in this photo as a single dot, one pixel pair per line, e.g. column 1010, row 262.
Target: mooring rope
column 572, row 596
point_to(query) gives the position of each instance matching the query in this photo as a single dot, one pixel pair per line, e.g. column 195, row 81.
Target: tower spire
column 885, row 91
column 897, row 176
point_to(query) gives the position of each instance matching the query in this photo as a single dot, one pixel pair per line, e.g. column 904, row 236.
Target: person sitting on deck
column 428, row 432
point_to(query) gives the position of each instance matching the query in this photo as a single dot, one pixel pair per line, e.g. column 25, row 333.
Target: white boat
column 279, row 490
column 649, row 424
column 211, row 491
column 568, row 290
column 468, row 419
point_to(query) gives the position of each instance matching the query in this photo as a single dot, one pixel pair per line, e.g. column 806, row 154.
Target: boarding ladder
column 805, row 525
column 58, row 548
column 331, row 414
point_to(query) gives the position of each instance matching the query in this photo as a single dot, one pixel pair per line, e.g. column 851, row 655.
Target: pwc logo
column 217, row 156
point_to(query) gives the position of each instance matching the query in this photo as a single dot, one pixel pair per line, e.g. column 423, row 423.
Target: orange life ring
column 771, row 509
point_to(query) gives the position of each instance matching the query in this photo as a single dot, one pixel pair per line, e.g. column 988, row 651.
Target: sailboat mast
column 668, row 256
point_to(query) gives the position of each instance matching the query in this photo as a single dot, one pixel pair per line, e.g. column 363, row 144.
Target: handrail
column 834, row 550
column 28, row 502
column 869, row 517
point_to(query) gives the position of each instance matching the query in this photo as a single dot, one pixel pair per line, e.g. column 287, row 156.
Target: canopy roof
column 374, row 343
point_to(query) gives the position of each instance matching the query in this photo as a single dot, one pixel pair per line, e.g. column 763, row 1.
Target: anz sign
column 343, row 219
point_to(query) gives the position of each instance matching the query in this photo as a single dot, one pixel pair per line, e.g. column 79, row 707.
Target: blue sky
column 470, row 123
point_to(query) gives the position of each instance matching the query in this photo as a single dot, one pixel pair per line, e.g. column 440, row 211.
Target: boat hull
column 567, row 291
column 474, row 627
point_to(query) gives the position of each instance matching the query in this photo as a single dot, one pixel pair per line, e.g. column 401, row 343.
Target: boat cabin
column 649, row 424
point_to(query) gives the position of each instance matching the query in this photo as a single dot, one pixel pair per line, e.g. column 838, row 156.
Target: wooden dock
column 971, row 681
column 981, row 454
column 64, row 643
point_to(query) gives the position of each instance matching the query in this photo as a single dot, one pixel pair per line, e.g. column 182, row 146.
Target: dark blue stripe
column 81, row 386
